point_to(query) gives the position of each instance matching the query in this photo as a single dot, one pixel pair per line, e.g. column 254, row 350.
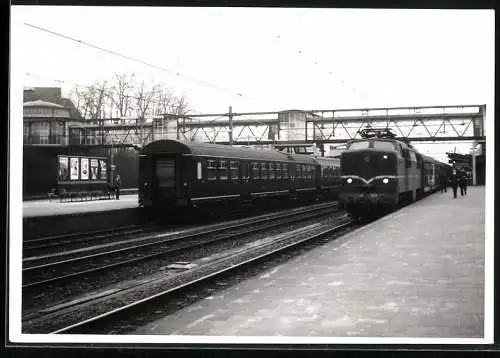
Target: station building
column 53, row 126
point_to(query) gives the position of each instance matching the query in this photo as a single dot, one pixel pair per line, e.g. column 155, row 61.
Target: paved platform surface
column 418, row 272
column 47, row 208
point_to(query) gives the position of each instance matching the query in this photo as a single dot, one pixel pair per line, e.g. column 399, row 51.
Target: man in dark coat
column 443, row 183
column 463, row 184
column 454, row 182
column 117, row 185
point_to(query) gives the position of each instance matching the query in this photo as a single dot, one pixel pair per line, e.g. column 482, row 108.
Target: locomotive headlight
column 349, row 180
column 385, row 180
column 385, row 157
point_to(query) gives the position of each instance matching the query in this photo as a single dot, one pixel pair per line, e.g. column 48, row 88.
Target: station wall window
column 26, row 137
column 211, row 170
column 223, row 172
column 233, row 168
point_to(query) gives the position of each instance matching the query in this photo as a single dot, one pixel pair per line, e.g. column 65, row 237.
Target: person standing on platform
column 443, row 182
column 463, row 184
column 454, row 182
column 117, row 185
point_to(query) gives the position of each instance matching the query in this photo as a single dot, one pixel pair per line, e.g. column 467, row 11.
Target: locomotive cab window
column 383, row 145
column 359, row 145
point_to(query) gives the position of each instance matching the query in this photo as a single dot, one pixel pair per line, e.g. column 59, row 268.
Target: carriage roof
column 216, row 150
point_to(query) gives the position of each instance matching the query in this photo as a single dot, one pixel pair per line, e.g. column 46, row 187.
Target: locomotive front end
column 369, row 178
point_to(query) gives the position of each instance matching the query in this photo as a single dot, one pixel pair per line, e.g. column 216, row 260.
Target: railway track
column 71, row 265
column 114, row 304
column 61, row 244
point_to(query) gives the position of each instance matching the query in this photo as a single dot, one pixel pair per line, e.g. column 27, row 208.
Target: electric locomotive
column 380, row 172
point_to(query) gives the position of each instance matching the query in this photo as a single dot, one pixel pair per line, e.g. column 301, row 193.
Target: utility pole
column 230, row 125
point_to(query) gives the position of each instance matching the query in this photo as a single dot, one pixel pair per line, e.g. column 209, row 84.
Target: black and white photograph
column 206, row 175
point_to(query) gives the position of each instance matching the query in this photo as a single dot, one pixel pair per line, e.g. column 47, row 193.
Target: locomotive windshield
column 375, row 144
column 359, row 145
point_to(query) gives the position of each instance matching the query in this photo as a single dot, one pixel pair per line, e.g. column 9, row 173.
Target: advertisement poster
column 63, row 174
column 84, row 166
column 94, row 169
column 75, row 168
column 104, row 170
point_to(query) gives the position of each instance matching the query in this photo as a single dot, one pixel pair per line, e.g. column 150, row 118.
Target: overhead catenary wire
column 130, row 58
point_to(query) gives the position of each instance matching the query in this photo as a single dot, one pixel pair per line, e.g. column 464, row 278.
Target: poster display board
column 84, row 169
column 77, row 169
column 94, row 169
column 63, row 172
column 103, row 172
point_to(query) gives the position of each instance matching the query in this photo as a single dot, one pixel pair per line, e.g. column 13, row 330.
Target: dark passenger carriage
column 177, row 174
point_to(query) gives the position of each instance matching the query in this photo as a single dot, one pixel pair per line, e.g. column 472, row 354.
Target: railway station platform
column 416, row 273
column 49, row 218
column 37, row 208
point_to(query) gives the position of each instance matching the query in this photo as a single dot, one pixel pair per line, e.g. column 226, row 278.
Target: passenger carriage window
column 272, row 167
column 211, row 170
column 233, row 166
column 199, row 174
column 255, row 171
column 278, row 170
column 263, row 171
column 285, row 171
column 223, row 170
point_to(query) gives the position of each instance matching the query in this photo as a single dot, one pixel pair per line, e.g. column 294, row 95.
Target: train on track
column 380, row 173
column 175, row 175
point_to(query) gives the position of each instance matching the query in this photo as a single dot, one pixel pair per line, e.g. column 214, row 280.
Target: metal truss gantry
column 318, row 127
column 425, row 123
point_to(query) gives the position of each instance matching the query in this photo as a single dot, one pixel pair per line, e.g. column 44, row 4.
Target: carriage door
column 166, row 176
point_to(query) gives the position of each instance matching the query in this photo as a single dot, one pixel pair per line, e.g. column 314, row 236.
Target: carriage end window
column 199, row 175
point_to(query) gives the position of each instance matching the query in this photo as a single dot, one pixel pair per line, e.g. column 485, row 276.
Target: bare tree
column 180, row 106
column 164, row 101
column 144, row 99
column 91, row 101
column 122, row 92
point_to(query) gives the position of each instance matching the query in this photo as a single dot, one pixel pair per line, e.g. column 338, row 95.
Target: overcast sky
column 275, row 58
